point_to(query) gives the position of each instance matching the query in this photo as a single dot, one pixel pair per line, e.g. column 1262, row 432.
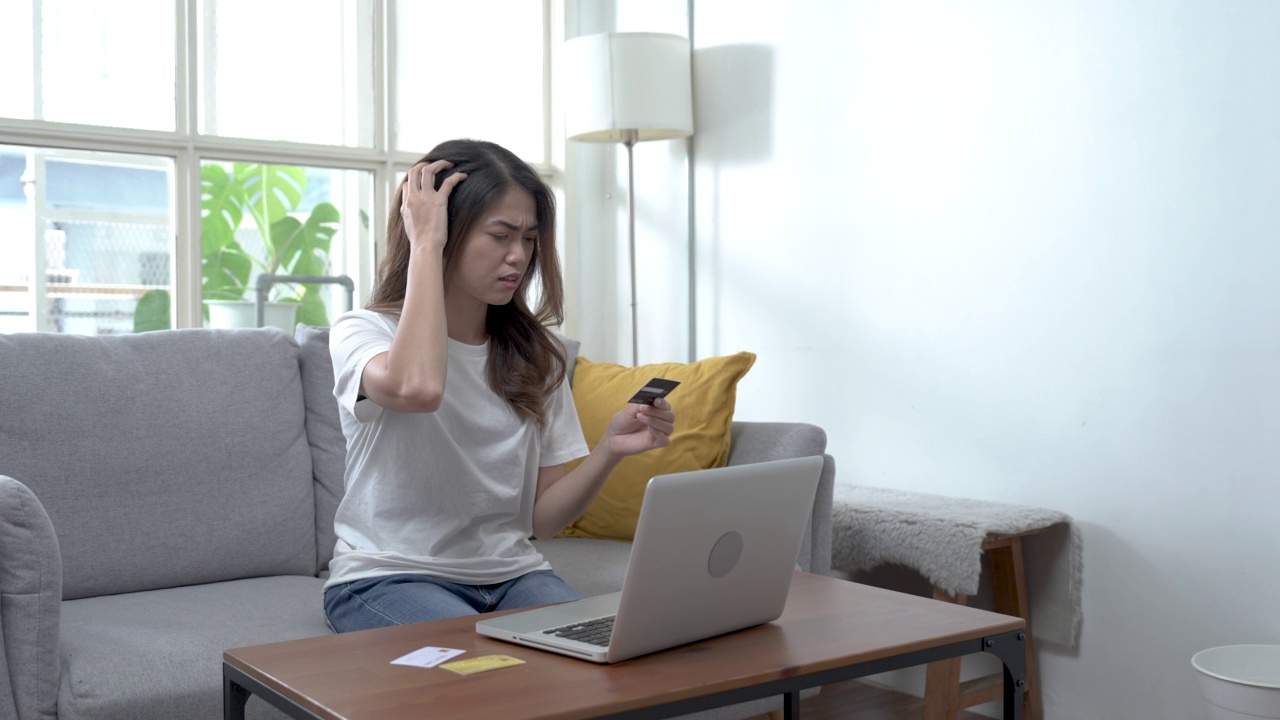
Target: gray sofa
column 168, row 495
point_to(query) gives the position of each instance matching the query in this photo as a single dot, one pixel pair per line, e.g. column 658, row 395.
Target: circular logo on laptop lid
column 725, row 554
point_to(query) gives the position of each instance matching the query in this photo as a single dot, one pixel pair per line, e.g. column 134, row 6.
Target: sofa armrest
column 30, row 605
column 753, row 442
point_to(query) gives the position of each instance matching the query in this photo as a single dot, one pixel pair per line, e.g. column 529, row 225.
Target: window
column 277, row 70
column 263, row 225
column 497, row 95
column 104, row 226
column 158, row 158
column 85, row 61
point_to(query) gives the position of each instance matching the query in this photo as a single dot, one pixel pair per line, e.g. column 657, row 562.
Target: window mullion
column 37, row 53
column 34, row 186
column 184, row 53
column 547, row 35
column 385, row 71
column 206, row 59
column 185, row 194
column 187, row 295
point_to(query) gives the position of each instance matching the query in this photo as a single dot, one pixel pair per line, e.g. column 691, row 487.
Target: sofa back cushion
column 324, row 434
column 167, row 458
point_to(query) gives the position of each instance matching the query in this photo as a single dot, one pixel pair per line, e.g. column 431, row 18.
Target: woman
column 457, row 419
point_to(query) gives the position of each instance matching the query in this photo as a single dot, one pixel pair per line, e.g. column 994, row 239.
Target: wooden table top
column 828, row 623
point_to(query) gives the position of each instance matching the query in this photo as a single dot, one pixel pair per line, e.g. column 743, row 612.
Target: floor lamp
column 628, row 88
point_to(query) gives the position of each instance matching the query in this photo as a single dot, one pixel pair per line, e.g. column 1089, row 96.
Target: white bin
column 1240, row 681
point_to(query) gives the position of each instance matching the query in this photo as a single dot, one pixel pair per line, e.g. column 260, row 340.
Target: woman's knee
column 347, row 611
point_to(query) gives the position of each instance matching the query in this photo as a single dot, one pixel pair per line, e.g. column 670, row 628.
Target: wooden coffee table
column 831, row 630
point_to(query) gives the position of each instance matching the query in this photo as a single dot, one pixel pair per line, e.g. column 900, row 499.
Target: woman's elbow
column 545, row 533
column 424, row 400
column 412, row 399
column 406, row 392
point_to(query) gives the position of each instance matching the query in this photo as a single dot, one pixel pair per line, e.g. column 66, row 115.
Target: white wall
column 1023, row 251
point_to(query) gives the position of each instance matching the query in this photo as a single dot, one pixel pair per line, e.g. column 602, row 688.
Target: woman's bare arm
column 410, row 376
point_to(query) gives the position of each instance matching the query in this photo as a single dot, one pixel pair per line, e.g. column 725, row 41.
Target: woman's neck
column 467, row 325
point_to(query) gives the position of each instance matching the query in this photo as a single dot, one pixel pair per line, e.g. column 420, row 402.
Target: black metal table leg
column 791, row 706
column 1011, row 648
column 238, row 686
column 234, row 697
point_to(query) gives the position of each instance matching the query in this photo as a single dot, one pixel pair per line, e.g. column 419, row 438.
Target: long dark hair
column 526, row 361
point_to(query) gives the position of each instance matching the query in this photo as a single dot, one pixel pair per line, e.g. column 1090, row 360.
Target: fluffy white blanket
column 941, row 538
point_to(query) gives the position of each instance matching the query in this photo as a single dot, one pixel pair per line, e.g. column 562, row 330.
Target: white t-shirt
column 449, row 493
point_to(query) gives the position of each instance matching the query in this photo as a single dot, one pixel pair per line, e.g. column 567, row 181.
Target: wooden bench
column 952, row 542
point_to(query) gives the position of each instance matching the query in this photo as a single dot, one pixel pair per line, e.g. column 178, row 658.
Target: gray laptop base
column 714, row 552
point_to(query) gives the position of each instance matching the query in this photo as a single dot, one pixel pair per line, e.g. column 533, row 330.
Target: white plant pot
column 1240, row 682
column 241, row 314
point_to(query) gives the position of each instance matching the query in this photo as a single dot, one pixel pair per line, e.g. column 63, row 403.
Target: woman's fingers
column 419, row 184
column 422, row 175
column 666, row 427
column 423, row 207
column 451, row 182
column 659, row 416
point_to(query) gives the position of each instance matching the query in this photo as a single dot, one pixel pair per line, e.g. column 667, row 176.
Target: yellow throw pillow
column 703, row 404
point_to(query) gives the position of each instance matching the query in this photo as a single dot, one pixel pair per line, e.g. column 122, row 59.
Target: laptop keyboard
column 596, row 631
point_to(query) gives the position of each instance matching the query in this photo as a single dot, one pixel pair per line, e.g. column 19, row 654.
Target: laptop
column 714, row 552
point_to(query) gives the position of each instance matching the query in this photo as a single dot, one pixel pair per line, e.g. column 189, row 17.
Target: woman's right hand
column 424, row 209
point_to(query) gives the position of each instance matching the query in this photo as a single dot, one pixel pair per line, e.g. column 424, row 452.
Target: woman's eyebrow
column 513, row 226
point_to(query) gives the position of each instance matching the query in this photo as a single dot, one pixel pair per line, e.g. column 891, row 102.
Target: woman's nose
column 519, row 254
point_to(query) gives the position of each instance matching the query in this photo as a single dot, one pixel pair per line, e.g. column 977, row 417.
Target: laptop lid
column 714, row 552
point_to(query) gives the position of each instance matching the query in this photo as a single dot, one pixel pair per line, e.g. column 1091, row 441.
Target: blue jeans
column 408, row 598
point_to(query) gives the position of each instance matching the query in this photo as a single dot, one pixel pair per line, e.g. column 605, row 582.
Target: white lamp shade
column 617, row 83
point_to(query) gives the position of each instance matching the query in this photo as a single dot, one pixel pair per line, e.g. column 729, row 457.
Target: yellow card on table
column 481, row 664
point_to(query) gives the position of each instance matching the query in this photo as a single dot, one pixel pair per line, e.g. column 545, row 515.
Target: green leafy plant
column 265, row 197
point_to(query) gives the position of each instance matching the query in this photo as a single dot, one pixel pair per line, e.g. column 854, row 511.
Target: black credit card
column 652, row 390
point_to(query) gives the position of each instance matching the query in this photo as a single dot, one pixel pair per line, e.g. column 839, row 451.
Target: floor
column 860, row 701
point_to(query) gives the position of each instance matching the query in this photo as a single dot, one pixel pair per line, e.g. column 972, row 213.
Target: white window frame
column 187, row 148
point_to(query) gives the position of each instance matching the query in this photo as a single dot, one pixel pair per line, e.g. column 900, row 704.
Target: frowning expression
column 493, row 259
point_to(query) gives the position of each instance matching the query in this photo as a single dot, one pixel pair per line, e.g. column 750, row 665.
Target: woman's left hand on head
column 640, row 428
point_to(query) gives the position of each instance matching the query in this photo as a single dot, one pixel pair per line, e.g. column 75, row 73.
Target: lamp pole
column 629, row 140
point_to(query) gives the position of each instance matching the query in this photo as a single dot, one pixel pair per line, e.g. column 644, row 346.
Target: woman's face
column 493, row 258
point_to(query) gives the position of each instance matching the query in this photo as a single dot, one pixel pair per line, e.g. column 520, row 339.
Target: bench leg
column 942, row 678
column 1009, row 595
column 944, row 694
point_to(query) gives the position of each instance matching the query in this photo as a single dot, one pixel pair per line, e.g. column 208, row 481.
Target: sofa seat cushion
column 591, row 566
column 158, row 654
